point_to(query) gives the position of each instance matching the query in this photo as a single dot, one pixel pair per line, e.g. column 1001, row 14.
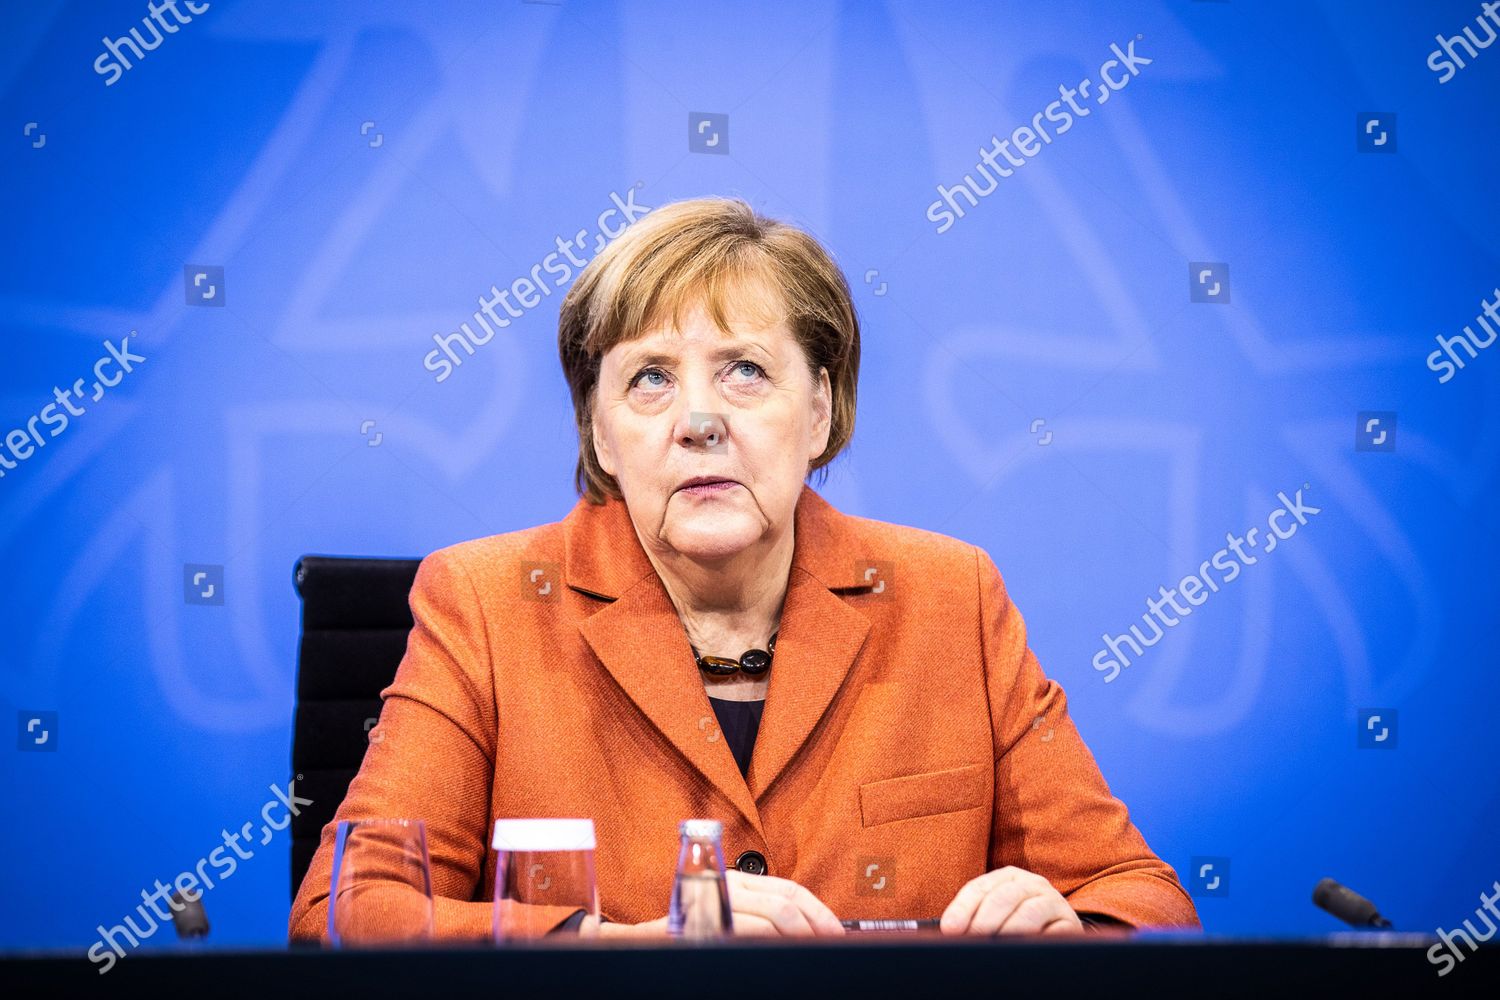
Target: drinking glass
column 700, row 896
column 381, row 890
column 544, row 874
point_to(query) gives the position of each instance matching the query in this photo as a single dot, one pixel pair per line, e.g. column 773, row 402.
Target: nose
column 701, row 428
column 701, row 421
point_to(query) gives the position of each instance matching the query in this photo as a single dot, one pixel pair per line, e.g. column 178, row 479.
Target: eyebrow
column 725, row 352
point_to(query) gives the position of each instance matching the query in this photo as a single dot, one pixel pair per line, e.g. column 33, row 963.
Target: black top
column 740, row 723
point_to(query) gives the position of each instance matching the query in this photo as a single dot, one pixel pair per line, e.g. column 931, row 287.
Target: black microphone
column 1348, row 905
column 191, row 921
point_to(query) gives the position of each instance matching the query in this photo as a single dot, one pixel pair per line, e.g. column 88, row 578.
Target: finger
column 758, row 883
column 998, row 904
column 1065, row 925
column 1032, row 914
column 785, row 916
column 815, row 912
column 751, row 925
column 763, row 883
column 823, row 920
column 959, row 914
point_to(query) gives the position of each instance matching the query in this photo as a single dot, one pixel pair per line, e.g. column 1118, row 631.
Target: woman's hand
column 762, row 905
column 649, row 928
column 765, row 905
column 1009, row 900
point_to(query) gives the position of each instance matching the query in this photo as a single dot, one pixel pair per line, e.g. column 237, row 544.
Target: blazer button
column 751, row 863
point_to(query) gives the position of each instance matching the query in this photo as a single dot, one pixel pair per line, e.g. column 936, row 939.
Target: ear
column 822, row 415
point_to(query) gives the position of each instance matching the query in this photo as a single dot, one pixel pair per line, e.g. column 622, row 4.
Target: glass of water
column 544, row 875
column 700, row 895
column 381, row 890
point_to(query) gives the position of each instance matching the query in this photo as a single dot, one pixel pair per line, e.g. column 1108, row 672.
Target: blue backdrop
column 1223, row 281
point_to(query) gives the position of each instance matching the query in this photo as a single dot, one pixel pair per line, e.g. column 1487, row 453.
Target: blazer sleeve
column 1054, row 814
column 434, row 758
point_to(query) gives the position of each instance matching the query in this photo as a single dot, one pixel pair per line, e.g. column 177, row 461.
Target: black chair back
column 355, row 622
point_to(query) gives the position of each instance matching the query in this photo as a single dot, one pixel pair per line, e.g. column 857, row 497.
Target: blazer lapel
column 642, row 643
column 819, row 639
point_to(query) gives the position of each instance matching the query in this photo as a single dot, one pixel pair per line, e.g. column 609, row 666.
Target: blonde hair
column 717, row 253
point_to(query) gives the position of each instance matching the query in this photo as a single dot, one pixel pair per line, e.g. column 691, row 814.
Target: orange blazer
column 907, row 726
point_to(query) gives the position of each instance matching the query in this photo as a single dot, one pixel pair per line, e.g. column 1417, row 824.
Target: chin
column 713, row 534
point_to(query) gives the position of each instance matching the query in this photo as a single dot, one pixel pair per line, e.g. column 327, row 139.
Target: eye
column 755, row 369
column 656, row 378
column 644, row 372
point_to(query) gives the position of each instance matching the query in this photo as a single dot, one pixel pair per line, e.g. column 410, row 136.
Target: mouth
column 706, row 485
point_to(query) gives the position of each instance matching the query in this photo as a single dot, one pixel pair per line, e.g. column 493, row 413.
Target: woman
column 903, row 756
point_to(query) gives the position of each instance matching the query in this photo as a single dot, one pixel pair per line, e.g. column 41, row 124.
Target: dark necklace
column 753, row 661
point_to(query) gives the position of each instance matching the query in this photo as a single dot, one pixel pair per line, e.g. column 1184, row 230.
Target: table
column 1361, row 965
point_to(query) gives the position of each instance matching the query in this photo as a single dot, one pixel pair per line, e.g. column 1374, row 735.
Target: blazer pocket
column 933, row 792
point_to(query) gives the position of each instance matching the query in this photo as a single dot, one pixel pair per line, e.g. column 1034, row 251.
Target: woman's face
column 676, row 404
